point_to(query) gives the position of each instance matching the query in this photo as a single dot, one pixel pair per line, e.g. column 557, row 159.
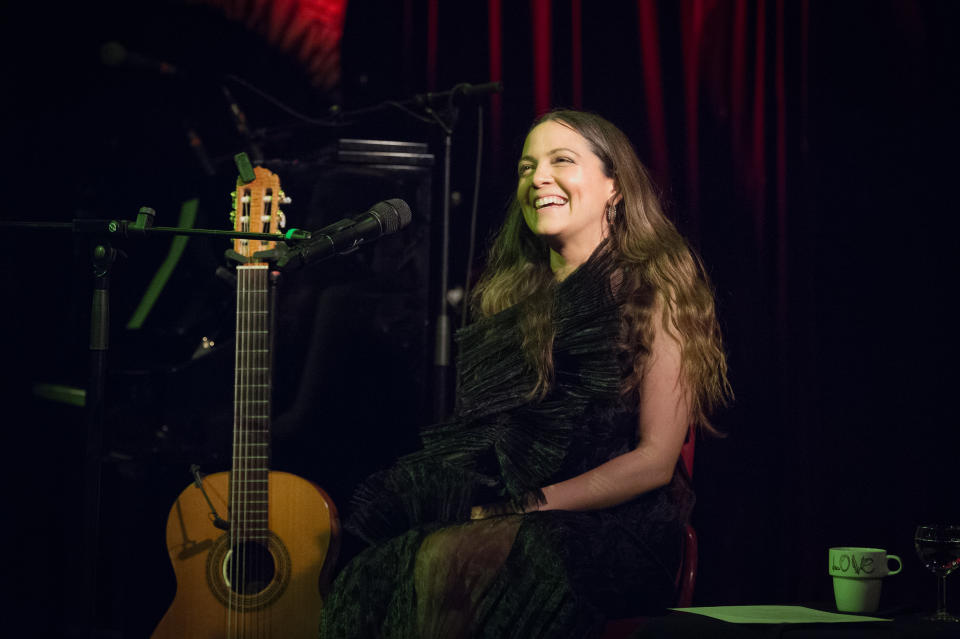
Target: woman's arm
column 663, row 422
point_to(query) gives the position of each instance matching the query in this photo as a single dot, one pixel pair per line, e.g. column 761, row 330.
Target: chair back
column 687, row 574
column 686, row 453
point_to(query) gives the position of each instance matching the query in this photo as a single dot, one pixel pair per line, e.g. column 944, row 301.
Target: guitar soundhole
column 249, row 568
column 248, row 575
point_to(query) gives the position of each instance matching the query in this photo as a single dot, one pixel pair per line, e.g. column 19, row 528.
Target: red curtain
column 310, row 30
column 740, row 64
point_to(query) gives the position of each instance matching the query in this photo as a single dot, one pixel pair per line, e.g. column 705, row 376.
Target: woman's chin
column 546, row 227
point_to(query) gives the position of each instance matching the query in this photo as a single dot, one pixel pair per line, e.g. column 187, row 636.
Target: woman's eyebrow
column 551, row 152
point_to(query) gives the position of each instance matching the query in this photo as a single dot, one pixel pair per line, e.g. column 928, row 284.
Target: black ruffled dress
column 431, row 572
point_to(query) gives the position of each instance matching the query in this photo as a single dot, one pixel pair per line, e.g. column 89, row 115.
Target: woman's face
column 562, row 189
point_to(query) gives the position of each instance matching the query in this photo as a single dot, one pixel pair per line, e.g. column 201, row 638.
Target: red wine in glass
column 938, row 547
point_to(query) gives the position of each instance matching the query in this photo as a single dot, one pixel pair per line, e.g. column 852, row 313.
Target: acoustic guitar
column 261, row 571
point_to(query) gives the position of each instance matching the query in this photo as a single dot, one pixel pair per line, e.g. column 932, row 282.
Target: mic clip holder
column 215, row 517
column 281, row 256
column 144, row 221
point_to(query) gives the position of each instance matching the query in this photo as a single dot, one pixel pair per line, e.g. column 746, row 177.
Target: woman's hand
column 492, row 510
column 501, row 508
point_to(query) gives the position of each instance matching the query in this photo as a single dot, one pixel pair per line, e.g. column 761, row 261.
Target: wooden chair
column 687, row 574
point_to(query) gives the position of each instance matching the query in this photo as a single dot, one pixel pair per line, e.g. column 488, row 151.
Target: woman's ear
column 615, row 196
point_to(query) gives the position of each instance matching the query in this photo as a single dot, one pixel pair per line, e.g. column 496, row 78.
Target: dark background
column 830, row 245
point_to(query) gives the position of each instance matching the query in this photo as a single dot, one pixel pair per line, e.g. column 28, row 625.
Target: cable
column 326, row 122
column 473, row 218
column 283, row 107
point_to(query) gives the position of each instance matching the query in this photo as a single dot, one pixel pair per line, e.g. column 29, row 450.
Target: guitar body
column 303, row 529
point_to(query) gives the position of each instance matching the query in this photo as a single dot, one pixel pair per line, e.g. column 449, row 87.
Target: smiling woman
column 553, row 498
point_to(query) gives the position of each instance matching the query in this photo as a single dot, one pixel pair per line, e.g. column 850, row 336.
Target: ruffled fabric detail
column 499, row 445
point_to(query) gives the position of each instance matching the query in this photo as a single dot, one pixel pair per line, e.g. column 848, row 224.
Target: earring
column 611, row 213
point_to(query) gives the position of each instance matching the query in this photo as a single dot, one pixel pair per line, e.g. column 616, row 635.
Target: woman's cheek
column 530, row 217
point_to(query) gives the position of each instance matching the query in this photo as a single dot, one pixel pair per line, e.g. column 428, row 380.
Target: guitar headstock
column 256, row 209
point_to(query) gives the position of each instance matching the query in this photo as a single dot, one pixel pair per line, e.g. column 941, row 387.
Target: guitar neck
column 251, row 405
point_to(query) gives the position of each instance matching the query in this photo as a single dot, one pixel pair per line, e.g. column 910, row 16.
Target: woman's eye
column 523, row 169
column 562, row 158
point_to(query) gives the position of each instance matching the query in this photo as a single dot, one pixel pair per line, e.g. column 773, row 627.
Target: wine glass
column 939, row 549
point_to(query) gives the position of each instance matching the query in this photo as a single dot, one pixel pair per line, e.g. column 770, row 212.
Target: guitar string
column 262, row 555
column 238, row 563
column 245, row 453
column 259, row 379
column 243, row 318
column 243, row 533
column 267, row 387
column 248, row 570
column 263, row 391
column 234, row 476
column 248, row 464
column 238, row 434
column 249, row 558
column 249, row 529
column 265, row 402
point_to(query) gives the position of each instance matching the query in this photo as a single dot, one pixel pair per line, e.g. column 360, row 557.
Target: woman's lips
column 549, row 200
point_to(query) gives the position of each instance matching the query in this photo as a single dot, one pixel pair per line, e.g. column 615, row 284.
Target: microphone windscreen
column 395, row 214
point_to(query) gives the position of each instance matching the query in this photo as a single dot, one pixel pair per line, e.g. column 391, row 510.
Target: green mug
column 857, row 575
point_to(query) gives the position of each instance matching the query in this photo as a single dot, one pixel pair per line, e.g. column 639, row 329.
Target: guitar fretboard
column 251, row 405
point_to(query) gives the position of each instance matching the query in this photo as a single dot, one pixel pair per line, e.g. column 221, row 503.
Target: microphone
column 345, row 236
column 114, row 54
column 459, row 94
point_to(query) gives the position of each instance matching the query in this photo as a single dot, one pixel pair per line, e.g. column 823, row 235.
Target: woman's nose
column 541, row 175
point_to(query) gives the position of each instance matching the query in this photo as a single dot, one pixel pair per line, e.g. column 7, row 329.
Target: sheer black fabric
column 431, row 572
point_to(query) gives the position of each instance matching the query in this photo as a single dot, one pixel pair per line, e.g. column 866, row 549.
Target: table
column 682, row 625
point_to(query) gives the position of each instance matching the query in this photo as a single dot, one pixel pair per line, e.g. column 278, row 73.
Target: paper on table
column 774, row 614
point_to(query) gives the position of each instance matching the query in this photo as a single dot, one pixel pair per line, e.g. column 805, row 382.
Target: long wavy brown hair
column 659, row 269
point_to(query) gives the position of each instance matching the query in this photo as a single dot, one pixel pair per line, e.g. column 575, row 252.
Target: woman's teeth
column 541, row 202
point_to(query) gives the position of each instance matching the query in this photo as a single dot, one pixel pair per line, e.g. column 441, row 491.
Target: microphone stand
column 442, row 337
column 103, row 258
column 442, row 361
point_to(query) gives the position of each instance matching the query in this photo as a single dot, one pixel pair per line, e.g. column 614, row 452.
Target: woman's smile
column 549, row 200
